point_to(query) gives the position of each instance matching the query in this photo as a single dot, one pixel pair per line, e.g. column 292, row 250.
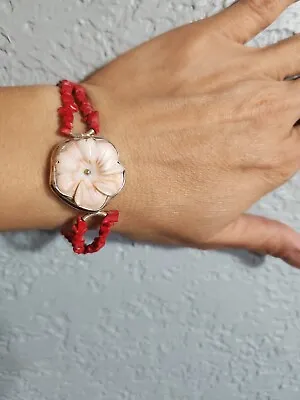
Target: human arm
column 28, row 126
column 204, row 127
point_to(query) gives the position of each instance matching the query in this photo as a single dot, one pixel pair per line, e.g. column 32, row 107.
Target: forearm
column 28, row 126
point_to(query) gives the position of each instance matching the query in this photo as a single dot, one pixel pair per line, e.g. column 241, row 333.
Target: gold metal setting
column 53, row 184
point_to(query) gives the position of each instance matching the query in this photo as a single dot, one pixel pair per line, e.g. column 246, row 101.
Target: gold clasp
column 85, row 135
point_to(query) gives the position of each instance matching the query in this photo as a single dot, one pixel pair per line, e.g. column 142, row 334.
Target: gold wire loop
column 85, row 135
column 95, row 214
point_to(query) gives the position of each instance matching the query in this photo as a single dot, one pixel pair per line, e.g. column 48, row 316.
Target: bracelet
column 85, row 169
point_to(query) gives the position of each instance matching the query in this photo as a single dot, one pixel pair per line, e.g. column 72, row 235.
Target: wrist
column 112, row 118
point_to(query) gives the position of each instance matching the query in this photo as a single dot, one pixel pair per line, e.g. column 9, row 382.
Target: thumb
column 262, row 235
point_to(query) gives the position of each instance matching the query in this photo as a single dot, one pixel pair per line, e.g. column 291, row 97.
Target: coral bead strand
column 74, row 99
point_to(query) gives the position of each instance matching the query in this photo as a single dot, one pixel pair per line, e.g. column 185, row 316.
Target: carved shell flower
column 88, row 173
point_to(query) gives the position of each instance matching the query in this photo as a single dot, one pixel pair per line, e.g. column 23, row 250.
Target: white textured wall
column 135, row 322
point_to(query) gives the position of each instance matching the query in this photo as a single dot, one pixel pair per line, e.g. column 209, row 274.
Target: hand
column 205, row 127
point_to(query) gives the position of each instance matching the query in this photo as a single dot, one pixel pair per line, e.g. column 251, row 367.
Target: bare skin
column 204, row 126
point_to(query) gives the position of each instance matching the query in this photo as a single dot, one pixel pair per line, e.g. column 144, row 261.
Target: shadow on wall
column 28, row 241
column 36, row 240
column 252, row 260
column 10, row 367
column 31, row 241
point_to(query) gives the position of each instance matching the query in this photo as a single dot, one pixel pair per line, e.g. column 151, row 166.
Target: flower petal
column 88, row 197
column 107, row 155
column 68, row 158
column 115, row 168
column 110, row 184
column 87, row 149
column 66, row 183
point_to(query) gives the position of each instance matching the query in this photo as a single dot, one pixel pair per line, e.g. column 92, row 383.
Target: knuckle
column 275, row 162
column 284, row 173
column 278, row 171
column 262, row 4
column 273, row 245
column 268, row 102
column 272, row 241
column 263, row 9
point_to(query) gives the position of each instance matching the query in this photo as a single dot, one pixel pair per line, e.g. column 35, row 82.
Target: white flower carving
column 88, row 172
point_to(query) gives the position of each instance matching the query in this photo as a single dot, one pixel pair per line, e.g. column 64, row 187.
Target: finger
column 282, row 60
column 246, row 18
column 264, row 236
